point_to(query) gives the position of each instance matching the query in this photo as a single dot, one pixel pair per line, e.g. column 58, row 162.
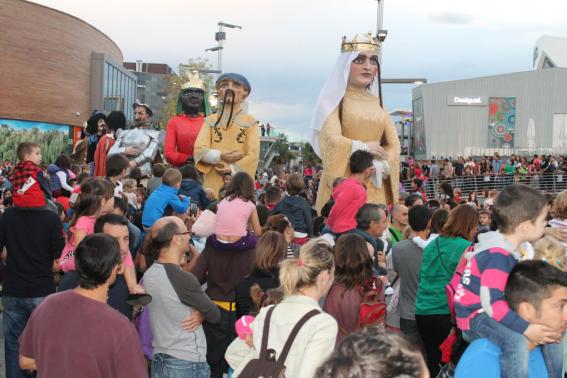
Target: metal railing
column 551, row 183
column 521, row 151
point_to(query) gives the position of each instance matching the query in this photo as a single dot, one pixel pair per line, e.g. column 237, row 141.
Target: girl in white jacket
column 305, row 281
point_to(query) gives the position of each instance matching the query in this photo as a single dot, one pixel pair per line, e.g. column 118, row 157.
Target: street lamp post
column 220, row 37
column 380, row 32
column 379, row 16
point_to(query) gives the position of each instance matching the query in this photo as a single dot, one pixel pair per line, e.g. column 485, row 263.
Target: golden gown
column 241, row 135
column 363, row 120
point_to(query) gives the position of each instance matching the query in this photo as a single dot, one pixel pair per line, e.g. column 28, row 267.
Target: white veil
column 332, row 93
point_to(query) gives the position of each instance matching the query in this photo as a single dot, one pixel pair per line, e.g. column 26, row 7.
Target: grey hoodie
column 494, row 239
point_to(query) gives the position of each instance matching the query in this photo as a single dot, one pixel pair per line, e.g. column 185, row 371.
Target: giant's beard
column 191, row 110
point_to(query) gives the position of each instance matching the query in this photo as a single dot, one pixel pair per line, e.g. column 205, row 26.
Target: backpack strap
column 265, row 334
column 393, row 234
column 293, row 334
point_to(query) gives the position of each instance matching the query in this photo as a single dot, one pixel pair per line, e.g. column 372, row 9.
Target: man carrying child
column 537, row 292
column 482, row 311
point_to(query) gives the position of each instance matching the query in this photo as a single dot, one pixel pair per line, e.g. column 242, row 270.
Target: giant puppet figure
column 182, row 130
column 140, row 144
column 349, row 117
column 229, row 140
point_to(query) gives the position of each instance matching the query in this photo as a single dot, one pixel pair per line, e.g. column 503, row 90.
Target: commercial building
column 56, row 69
column 523, row 112
column 153, row 83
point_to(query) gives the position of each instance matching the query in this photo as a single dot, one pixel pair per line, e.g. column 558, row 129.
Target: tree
column 281, row 146
column 308, row 155
column 176, row 81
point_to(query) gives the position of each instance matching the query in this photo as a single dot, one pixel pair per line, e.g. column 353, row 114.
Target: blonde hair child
column 549, row 249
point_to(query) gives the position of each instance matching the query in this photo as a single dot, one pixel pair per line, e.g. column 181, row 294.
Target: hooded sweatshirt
column 483, row 283
column 297, row 210
column 193, row 189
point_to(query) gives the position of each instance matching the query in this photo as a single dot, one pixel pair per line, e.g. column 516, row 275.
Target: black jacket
column 193, row 189
column 298, row 211
column 266, row 280
column 33, row 240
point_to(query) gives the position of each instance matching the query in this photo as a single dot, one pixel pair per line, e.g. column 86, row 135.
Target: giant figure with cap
column 350, row 116
column 229, row 141
column 141, row 144
column 182, row 130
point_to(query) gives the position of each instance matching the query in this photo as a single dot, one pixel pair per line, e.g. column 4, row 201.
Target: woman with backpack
column 440, row 259
column 301, row 335
column 354, row 280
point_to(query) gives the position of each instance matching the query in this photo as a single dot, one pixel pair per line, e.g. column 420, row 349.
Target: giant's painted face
column 231, row 91
column 363, row 70
column 101, row 125
column 192, row 98
column 141, row 114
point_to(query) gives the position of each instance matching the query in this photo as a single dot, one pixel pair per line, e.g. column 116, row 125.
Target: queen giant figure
column 350, row 116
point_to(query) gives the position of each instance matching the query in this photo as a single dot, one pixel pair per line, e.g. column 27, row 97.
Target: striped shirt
column 482, row 290
column 290, row 254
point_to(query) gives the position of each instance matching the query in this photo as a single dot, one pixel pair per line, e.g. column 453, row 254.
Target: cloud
column 285, row 117
column 287, row 48
column 452, row 18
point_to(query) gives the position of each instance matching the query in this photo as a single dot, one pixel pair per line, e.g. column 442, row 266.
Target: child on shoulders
column 31, row 187
column 237, row 211
column 165, row 195
column 295, row 207
column 481, row 308
column 350, row 194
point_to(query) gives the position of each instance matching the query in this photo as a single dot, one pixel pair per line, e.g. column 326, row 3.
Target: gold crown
column 194, row 81
column 371, row 44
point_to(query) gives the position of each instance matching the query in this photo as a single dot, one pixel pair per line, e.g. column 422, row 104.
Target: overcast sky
column 287, row 48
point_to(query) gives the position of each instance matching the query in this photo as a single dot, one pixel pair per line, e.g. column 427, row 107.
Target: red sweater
column 30, row 185
column 180, row 137
column 349, row 197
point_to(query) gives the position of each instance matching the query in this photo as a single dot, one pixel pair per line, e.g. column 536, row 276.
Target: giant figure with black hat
column 182, row 130
column 229, row 141
column 140, row 144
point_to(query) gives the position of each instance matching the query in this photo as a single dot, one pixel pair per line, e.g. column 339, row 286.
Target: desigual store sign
column 467, row 101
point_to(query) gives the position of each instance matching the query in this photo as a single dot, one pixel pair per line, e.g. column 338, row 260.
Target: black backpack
column 266, row 365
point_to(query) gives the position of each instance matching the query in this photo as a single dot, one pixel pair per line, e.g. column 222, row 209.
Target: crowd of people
column 121, row 264
column 158, row 275
column 486, row 172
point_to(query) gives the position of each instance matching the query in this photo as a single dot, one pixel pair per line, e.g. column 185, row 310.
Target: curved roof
column 550, row 51
column 80, row 20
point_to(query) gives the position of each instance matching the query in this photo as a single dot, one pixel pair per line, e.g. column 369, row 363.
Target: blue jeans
column 17, row 311
column 166, row 366
column 515, row 354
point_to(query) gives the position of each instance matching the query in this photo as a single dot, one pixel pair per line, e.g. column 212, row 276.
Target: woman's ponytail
column 315, row 257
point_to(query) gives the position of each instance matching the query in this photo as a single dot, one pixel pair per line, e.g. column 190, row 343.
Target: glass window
column 119, row 89
column 123, row 91
column 114, row 78
column 105, row 80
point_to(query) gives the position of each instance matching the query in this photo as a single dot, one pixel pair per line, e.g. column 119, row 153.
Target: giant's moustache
column 228, row 96
column 227, row 99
